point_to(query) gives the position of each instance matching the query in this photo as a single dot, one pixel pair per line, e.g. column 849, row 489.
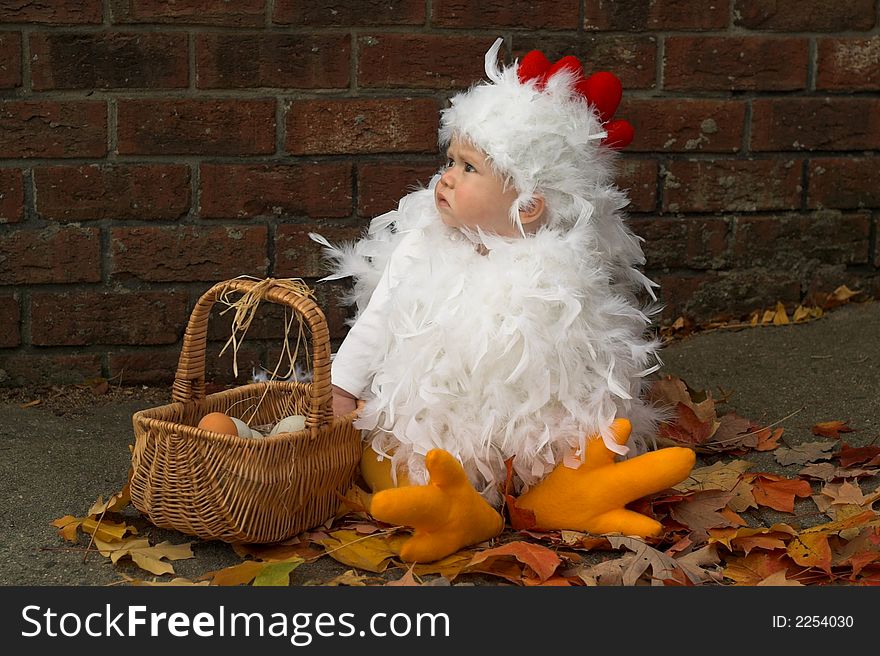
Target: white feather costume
column 523, row 352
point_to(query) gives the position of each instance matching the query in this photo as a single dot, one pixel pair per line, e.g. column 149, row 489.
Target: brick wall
column 149, row 149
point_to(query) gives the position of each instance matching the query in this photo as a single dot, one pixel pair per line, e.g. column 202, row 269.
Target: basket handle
column 189, row 381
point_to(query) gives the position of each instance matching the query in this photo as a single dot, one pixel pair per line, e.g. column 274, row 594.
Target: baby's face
column 470, row 194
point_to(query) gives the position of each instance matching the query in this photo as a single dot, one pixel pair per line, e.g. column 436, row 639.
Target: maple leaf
column 351, row 578
column 778, row 492
column 778, row 579
column 114, row 503
column 276, row 552
column 801, row 454
column 699, row 512
column 811, row 550
column 831, row 428
column 858, row 455
column 407, row 580
column 745, row 539
column 756, row 567
column 542, row 561
column 240, row 574
column 449, row 567
column 725, row 476
column 825, row 471
column 694, row 564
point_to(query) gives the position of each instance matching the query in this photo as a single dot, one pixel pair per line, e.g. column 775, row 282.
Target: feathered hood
column 544, row 128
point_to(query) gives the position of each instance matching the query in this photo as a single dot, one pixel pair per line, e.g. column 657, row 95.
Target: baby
column 498, row 322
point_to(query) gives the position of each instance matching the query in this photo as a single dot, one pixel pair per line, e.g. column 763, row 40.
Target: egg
column 218, row 422
column 291, row 424
column 243, row 429
column 255, row 433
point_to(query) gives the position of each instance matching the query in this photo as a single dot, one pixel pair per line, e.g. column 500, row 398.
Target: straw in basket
column 236, row 489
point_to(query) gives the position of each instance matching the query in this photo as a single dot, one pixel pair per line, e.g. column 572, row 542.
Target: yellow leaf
column 67, row 526
column 240, row 574
column 143, row 559
column 179, row 581
column 351, row 579
column 811, row 550
column 372, row 552
column 106, row 530
column 277, row 574
column 720, row 476
column 449, row 567
column 115, row 503
column 107, row 549
column 780, row 318
column 768, row 316
column 777, row 579
column 843, row 294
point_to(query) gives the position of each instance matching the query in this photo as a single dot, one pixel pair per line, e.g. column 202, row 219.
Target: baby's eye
column 468, row 168
column 450, row 163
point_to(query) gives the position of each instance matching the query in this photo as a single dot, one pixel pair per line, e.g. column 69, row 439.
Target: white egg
column 256, row 433
column 291, row 424
column 243, row 429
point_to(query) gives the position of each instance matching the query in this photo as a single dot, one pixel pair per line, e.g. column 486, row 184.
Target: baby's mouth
column 442, row 202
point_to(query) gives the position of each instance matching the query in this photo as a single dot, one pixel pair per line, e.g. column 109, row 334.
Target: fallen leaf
column 541, row 560
column 407, row 580
column 30, row 404
column 780, row 318
column 777, row 492
column 825, row 471
column 175, row 582
column 372, row 553
column 857, row 455
column 778, row 579
column 276, row 552
column 149, row 558
column 240, row 574
column 67, row 527
column 699, row 512
column 351, row 578
column 723, row 476
column 662, row 566
column 801, row 454
column 756, row 567
column 694, row 565
column 831, row 429
column 811, row 550
column 277, row 574
column 845, row 493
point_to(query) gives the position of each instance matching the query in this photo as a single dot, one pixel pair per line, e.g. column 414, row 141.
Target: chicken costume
column 471, row 349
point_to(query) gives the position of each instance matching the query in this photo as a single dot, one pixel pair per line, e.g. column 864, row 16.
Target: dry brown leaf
column 699, row 512
column 407, row 580
column 811, row 550
column 825, row 471
column 802, row 454
column 149, row 558
column 240, row 574
column 756, row 567
column 662, row 566
column 351, row 578
column 694, row 565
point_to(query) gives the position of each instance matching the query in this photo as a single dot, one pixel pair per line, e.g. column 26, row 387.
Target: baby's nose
column 448, row 178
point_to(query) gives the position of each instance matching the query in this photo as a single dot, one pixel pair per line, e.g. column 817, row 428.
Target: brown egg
column 218, row 422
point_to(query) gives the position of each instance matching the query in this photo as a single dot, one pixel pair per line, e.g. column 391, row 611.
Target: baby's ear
column 533, row 209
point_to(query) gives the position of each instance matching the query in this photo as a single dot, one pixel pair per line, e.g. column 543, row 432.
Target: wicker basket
column 241, row 489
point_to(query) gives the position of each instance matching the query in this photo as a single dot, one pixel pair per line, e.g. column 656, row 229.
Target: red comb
column 602, row 90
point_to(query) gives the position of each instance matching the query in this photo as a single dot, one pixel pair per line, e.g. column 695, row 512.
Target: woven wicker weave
column 243, row 489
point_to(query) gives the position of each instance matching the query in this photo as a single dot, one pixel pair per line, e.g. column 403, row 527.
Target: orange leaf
column 521, row 519
column 831, row 428
column 240, row 574
column 542, row 561
column 811, row 550
column 756, row 567
column 777, row 492
column 768, row 441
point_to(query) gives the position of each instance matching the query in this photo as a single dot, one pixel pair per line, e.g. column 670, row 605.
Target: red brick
column 349, row 14
column 154, row 366
column 10, row 321
column 847, row 64
column 697, row 63
column 112, row 60
column 53, row 129
column 273, row 60
column 844, row 182
column 10, row 60
column 239, row 191
column 393, row 125
column 421, row 60
column 82, row 318
column 21, row 369
column 196, row 127
column 297, row 256
column 644, row 15
column 727, row 294
column 534, row 15
column 51, row 255
column 11, row 196
column 638, row 178
column 681, row 125
column 732, row 185
column 804, row 15
column 241, row 13
column 188, row 253
column 693, row 243
column 121, row 191
column 56, row 12
column 631, row 58
column 815, row 124
column 787, row 242
column 267, row 323
column 381, row 185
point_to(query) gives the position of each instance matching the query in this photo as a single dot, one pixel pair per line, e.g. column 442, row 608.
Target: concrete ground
column 60, row 454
